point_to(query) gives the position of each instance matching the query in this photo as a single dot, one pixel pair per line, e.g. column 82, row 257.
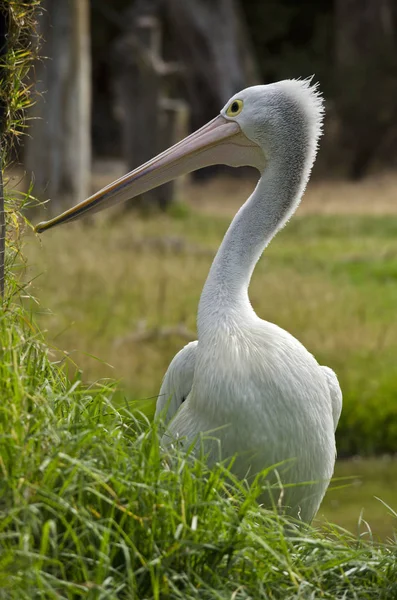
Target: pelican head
column 256, row 125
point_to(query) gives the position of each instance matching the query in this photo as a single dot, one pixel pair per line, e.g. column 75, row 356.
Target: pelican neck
column 275, row 198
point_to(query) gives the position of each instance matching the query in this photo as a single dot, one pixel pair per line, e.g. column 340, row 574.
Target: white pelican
column 263, row 393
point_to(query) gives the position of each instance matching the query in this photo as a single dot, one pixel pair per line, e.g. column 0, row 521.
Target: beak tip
column 40, row 227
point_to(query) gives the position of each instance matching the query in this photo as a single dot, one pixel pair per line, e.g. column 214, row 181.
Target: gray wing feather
column 335, row 393
column 177, row 382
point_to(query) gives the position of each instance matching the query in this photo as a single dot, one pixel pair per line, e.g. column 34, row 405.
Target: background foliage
column 350, row 46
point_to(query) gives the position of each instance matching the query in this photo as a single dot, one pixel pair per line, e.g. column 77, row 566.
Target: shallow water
column 355, row 501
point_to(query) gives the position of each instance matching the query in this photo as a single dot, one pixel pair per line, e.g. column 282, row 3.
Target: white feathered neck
column 288, row 135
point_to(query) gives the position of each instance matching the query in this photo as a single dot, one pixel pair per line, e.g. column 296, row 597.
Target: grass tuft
column 90, row 509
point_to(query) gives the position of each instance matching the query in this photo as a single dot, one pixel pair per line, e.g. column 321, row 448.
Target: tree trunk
column 211, row 41
column 366, row 81
column 144, row 87
column 138, row 94
column 59, row 149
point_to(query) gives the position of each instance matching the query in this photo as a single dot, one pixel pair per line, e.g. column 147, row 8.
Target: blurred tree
column 205, row 58
column 59, row 148
column 350, row 46
column 211, row 41
column 292, row 39
column 142, row 84
column 225, row 44
column 366, row 79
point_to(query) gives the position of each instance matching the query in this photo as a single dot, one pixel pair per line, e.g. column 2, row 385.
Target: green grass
column 329, row 280
column 90, row 509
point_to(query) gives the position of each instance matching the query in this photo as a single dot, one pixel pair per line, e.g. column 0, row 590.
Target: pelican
column 261, row 394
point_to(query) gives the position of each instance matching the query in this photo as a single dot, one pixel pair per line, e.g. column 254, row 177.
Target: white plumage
column 253, row 382
column 268, row 399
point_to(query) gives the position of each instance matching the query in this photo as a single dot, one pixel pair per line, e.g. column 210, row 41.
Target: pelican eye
column 235, row 108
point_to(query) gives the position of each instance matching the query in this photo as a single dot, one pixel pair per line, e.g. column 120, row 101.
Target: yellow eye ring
column 235, row 108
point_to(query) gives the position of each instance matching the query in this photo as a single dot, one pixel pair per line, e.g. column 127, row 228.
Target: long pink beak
column 219, row 142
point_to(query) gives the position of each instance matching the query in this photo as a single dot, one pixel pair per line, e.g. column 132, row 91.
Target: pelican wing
column 177, row 382
column 335, row 393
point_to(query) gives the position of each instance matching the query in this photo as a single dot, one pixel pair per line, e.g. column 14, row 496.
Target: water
column 359, row 496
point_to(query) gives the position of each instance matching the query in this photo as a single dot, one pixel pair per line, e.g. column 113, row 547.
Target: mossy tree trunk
column 3, row 51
